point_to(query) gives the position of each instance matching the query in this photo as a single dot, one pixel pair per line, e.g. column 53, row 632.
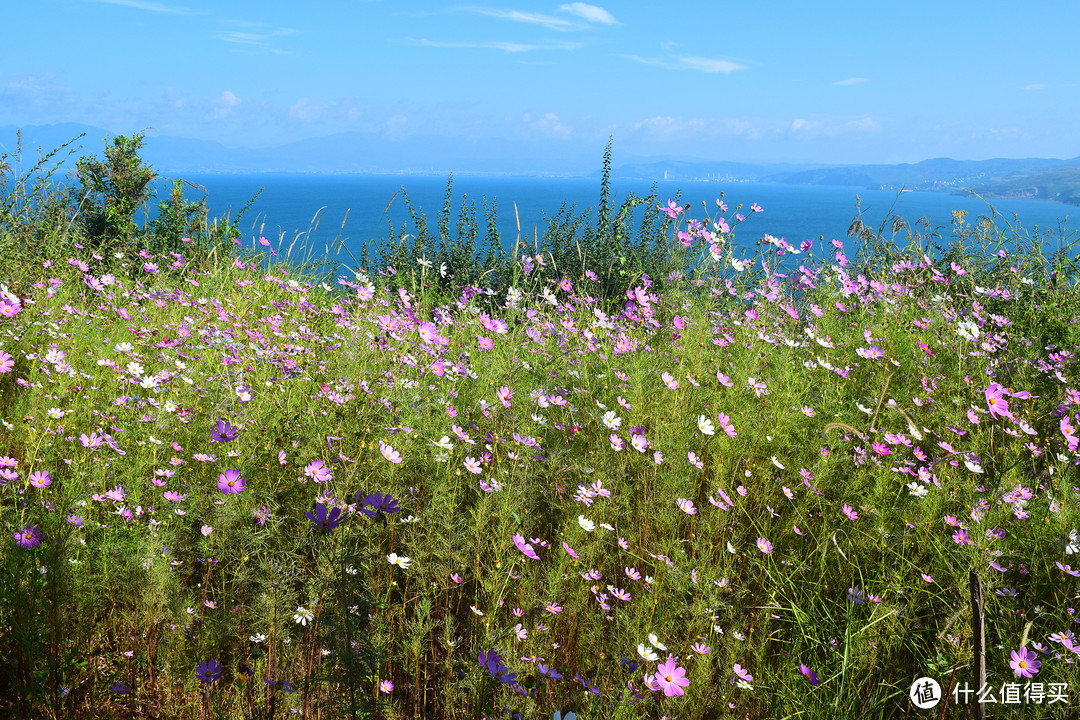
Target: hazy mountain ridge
column 356, row 152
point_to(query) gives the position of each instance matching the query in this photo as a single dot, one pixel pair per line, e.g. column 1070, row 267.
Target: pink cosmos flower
column 764, row 546
column 725, row 425
column 428, row 332
column 504, row 395
column 485, row 343
column 570, row 551
column 318, row 472
column 687, row 506
column 850, row 512
column 671, row 678
column 742, row 674
column 524, row 547
column 389, row 453
column 995, row 400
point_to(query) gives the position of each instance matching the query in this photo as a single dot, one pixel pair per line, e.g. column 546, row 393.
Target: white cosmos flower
column 973, row 467
column 917, row 489
column 611, row 421
column 586, row 524
column 705, row 425
column 656, row 642
column 646, row 654
column 968, row 330
column 401, row 562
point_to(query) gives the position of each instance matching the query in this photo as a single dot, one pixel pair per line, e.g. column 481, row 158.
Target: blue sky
column 769, row 81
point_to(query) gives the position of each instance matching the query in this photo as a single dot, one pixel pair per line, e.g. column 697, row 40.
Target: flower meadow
column 754, row 486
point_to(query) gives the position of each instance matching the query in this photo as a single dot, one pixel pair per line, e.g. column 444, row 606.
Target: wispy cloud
column 548, row 21
column 149, row 6
column 710, row 65
column 665, row 127
column 1035, row 86
column 581, row 11
column 255, row 40
column 852, row 81
column 509, row 47
column 833, row 126
column 590, row 13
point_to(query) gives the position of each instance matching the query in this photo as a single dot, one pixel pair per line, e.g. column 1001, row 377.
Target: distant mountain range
column 1057, row 180
column 355, row 152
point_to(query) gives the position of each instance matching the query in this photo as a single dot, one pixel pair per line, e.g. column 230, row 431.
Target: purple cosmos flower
column 230, row 482
column 28, row 536
column 223, row 432
column 325, row 520
column 494, row 665
column 810, row 675
column 379, row 503
column 208, row 671
column 120, row 688
column 1024, row 664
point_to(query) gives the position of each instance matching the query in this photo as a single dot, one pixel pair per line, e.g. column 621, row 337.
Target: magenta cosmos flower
column 230, row 482
column 810, row 675
column 671, row 678
column 1024, row 664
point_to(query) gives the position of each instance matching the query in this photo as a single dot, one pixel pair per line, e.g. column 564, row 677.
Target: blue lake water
column 322, row 209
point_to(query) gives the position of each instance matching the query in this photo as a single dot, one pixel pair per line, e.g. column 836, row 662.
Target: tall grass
column 457, row 501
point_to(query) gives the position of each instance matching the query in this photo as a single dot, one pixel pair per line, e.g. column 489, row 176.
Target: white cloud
column 509, row 47
column 589, row 13
column 255, row 40
column 304, row 110
column 703, row 64
column 224, row 105
column 1035, row 86
column 834, row 126
column 666, row 126
column 852, row 81
column 151, row 6
column 549, row 124
column 711, row 65
column 551, row 23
